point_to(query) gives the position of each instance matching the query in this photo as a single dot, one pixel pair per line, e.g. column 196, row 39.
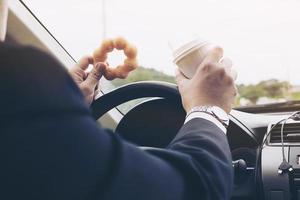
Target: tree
column 274, row 88
column 251, row 92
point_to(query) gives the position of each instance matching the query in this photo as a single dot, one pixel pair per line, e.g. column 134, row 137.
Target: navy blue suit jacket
column 51, row 147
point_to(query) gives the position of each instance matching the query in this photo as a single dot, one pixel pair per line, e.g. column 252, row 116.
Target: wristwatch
column 214, row 111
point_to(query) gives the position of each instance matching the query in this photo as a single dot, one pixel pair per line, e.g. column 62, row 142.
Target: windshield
column 260, row 36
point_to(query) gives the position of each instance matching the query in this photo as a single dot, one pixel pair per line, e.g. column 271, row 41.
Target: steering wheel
column 159, row 128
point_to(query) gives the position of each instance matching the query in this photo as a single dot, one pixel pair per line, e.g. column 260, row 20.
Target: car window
column 260, row 36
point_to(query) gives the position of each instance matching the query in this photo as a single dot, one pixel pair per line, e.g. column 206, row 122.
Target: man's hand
column 87, row 82
column 212, row 84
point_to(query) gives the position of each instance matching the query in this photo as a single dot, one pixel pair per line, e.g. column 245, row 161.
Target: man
column 51, row 148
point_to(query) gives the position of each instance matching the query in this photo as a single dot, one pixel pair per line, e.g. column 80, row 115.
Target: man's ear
column 3, row 18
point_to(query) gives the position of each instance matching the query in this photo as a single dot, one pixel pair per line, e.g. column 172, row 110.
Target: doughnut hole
column 115, row 58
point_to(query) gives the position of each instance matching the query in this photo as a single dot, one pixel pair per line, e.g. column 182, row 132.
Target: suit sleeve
column 51, row 147
column 204, row 146
column 196, row 165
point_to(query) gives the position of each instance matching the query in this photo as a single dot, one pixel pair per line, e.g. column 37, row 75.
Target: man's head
column 3, row 18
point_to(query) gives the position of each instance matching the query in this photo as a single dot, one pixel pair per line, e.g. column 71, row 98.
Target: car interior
column 261, row 137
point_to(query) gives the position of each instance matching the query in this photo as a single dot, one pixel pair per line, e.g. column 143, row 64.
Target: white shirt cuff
column 207, row 117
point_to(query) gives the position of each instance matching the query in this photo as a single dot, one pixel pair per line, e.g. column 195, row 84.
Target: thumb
column 95, row 75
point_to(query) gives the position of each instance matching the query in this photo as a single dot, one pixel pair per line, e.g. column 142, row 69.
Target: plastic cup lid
column 179, row 47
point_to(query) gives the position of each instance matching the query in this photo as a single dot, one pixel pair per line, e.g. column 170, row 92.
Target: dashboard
column 255, row 165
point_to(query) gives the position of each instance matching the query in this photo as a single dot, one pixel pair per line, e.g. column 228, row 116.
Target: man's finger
column 213, row 57
column 84, row 62
column 227, row 63
column 95, row 75
column 233, row 73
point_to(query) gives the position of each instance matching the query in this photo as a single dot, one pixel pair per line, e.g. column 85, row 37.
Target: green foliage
column 295, row 95
column 144, row 74
column 272, row 88
column 251, row 92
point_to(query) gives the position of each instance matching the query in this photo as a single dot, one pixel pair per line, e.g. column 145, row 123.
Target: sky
column 262, row 37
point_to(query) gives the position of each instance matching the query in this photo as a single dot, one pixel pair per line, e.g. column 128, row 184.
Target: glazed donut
column 121, row 71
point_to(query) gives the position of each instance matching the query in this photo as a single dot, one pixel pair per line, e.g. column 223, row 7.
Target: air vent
column 291, row 133
column 295, row 177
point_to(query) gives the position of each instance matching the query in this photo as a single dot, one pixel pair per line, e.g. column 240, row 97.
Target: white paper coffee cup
column 189, row 54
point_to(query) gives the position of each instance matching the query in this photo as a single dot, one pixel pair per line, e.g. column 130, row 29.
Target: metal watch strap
column 210, row 113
